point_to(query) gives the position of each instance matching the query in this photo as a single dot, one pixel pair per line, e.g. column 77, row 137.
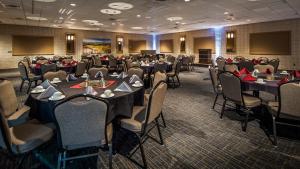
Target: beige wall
column 242, row 42
column 6, row 31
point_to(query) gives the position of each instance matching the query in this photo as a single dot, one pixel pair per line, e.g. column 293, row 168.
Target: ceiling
column 146, row 16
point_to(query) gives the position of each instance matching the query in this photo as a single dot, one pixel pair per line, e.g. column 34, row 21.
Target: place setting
column 107, row 94
column 55, row 80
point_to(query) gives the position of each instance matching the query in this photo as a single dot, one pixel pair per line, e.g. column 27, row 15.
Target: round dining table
column 67, row 68
column 120, row 104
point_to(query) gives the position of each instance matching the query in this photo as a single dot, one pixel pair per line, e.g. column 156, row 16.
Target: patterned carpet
column 195, row 137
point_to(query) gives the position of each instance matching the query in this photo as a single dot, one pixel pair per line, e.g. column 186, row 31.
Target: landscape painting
column 96, row 46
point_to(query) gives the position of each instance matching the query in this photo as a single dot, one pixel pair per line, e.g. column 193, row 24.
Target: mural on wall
column 96, row 46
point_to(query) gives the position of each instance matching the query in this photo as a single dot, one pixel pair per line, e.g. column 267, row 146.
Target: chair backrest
column 44, row 61
column 263, row 60
column 28, row 60
column 48, row 68
column 93, row 71
column 220, row 63
column 159, row 76
column 161, row 66
column 231, row 86
column 62, row 75
column 23, row 70
column 248, row 64
column 289, row 99
column 231, row 67
column 275, row 64
column 214, row 78
column 80, row 68
column 171, row 58
column 8, row 106
column 96, row 60
column 263, row 68
column 112, row 62
column 185, row 60
column 137, row 71
column 81, row 122
column 155, row 104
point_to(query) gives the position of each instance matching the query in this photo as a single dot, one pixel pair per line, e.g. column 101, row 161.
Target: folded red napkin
column 229, row 60
column 249, row 77
column 244, row 71
column 38, row 65
column 297, row 73
column 283, row 80
column 237, row 73
column 108, row 83
column 268, row 71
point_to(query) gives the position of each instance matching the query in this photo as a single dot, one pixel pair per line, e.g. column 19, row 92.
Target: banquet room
column 128, row 84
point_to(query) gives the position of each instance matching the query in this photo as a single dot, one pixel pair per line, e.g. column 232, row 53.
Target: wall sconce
column 70, row 44
column 230, row 35
column 231, row 42
column 120, row 43
column 182, row 44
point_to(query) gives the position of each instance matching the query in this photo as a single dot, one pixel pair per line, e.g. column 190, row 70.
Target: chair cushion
column 34, row 77
column 171, row 73
column 30, row 135
column 136, row 121
column 251, row 101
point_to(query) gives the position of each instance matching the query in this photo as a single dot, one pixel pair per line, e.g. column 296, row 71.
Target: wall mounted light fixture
column 70, row 44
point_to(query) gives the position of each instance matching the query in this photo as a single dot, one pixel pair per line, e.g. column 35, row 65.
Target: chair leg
column 173, row 83
column 21, row 87
column 223, row 108
column 246, row 122
column 216, row 98
column 59, row 161
column 29, row 86
column 110, row 156
column 163, row 119
column 64, row 160
column 159, row 132
column 142, row 153
column 178, row 80
column 274, row 131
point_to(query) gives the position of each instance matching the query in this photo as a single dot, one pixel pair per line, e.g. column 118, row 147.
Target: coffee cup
column 115, row 73
column 284, row 72
column 39, row 88
column 56, row 79
column 260, row 80
column 137, row 83
column 107, row 92
column 57, row 94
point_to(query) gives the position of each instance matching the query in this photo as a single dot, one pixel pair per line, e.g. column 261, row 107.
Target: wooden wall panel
column 270, row 43
column 166, row 46
column 32, row 45
column 204, row 43
column 135, row 46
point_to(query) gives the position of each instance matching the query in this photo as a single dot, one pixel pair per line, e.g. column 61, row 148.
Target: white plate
column 56, row 99
column 260, row 82
column 54, row 82
column 114, row 75
column 84, row 76
column 37, row 91
column 135, row 85
column 104, row 96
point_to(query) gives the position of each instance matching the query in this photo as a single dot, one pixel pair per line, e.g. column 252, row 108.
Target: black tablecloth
column 270, row 86
column 120, row 105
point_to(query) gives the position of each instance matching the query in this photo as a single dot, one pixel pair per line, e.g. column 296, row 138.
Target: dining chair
column 137, row 71
column 171, row 58
column 81, row 122
column 275, row 64
column 264, row 68
column 19, row 135
column 28, row 60
column 186, row 63
column 231, row 68
column 142, row 117
column 42, row 61
column 160, row 66
column 62, row 75
column 232, row 91
column 238, row 58
column 220, row 63
column 174, row 74
column 287, row 109
column 80, row 68
column 248, row 64
column 216, row 84
column 48, row 68
column 263, row 60
column 97, row 61
column 112, row 64
column 93, row 71
column 26, row 76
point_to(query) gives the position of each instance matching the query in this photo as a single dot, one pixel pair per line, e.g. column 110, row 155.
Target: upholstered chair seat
column 251, row 101
column 137, row 71
column 93, row 71
column 231, row 68
column 33, row 77
column 62, row 75
column 24, row 141
column 136, row 121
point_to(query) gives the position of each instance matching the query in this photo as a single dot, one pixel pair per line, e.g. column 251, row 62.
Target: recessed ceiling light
column 138, row 15
column 96, row 23
column 73, row 19
column 148, row 17
column 110, row 11
column 226, row 13
column 73, row 4
column 89, row 21
column 137, row 27
column 177, row 22
column 113, row 23
column 248, row 20
column 253, row 0
column 183, row 23
column 175, row 18
column 60, row 18
column 45, row 0
column 187, row 0
column 121, row 24
column 36, row 18
column 120, row 5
